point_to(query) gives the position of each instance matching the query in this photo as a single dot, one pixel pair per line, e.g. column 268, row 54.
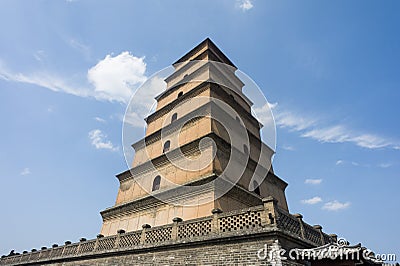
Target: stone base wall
column 237, row 253
column 231, row 238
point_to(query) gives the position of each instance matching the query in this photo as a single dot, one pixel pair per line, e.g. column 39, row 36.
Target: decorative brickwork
column 194, row 229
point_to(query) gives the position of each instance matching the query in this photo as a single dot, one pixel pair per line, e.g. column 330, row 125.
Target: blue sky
column 331, row 69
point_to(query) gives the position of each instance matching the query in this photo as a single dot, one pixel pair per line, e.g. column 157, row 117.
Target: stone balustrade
column 251, row 221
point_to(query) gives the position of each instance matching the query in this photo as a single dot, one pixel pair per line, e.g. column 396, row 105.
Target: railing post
column 52, row 250
column 299, row 218
column 333, row 237
column 174, row 233
column 271, row 214
column 65, row 246
column 214, row 223
column 119, row 233
column 96, row 244
column 79, row 245
column 319, row 229
column 143, row 236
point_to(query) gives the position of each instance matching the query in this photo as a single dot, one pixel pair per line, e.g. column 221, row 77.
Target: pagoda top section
column 206, row 50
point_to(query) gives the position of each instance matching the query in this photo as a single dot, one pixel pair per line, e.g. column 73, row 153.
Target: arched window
column 174, row 117
column 245, row 149
column 180, row 94
column 256, row 188
column 156, row 183
column 167, row 145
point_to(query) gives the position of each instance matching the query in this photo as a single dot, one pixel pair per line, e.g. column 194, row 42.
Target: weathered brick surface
column 242, row 252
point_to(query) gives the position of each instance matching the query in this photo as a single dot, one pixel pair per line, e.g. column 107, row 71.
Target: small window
column 256, row 188
column 245, row 149
column 167, row 145
column 174, row 117
column 180, row 94
column 156, row 183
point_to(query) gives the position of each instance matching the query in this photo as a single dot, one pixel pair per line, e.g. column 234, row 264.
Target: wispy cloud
column 312, row 201
column 315, row 128
column 313, row 181
column 41, row 79
column 112, row 79
column 293, row 122
column 353, row 163
column 99, row 140
column 99, row 119
column 80, row 47
column 339, row 162
column 244, row 5
column 335, row 205
column 288, row 148
column 385, row 165
column 341, row 134
column 25, row 171
column 39, row 55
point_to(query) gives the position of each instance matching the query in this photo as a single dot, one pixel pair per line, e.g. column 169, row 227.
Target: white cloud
column 99, row 140
column 288, row 148
column 313, row 181
column 25, row 171
column 99, row 119
column 353, row 163
column 244, row 4
column 113, row 78
column 339, row 162
column 39, row 55
column 335, row 205
column 312, row 201
column 385, row 165
column 116, row 78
